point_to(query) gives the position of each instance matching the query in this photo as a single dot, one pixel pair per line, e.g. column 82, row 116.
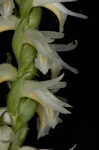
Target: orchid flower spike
column 47, row 57
column 6, row 8
column 58, row 9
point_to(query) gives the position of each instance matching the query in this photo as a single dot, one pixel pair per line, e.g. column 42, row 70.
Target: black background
column 80, row 126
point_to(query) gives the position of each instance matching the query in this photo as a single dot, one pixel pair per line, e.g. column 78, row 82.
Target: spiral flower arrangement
column 34, row 51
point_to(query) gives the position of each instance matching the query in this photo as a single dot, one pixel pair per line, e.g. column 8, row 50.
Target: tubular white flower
column 8, row 23
column 6, row 8
column 60, row 11
column 40, row 92
column 50, row 106
column 47, row 58
column 47, row 119
column 7, row 72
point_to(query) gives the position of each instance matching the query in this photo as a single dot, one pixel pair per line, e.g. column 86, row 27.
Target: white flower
column 6, row 135
column 59, row 9
column 47, row 57
column 7, row 72
column 8, row 23
column 50, row 106
column 6, row 8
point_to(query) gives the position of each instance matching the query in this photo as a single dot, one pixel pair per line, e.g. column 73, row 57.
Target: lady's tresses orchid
column 33, row 49
column 59, row 9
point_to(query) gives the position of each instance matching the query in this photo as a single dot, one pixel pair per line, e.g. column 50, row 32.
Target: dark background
column 80, row 126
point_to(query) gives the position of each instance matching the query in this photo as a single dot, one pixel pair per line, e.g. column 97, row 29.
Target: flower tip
column 84, row 17
column 76, row 71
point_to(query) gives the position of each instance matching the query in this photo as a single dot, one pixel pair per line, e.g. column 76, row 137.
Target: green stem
column 19, row 138
column 23, row 109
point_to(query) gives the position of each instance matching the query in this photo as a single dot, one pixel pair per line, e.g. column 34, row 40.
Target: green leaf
column 25, row 7
column 18, row 40
column 18, row 139
column 27, row 57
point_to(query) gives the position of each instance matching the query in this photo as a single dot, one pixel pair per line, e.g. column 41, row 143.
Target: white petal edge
column 6, row 134
column 7, row 8
column 72, row 148
column 27, row 148
column 41, row 2
column 9, row 23
column 53, row 34
column 64, row 47
column 65, row 10
column 7, row 72
column 32, row 37
column 4, row 146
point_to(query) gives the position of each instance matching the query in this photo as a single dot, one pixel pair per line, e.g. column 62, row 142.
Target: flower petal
column 44, row 97
column 9, row 23
column 41, row 2
column 59, row 10
column 72, row 148
column 42, row 64
column 6, row 8
column 64, row 12
column 51, row 35
column 64, row 47
column 27, row 148
column 6, row 116
column 54, row 84
column 6, row 134
column 58, row 65
column 48, row 119
column 62, row 17
column 4, row 146
column 37, row 39
column 7, row 72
